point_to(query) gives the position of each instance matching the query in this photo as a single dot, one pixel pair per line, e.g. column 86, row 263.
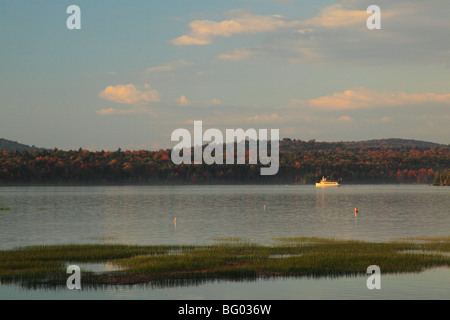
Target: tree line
column 352, row 164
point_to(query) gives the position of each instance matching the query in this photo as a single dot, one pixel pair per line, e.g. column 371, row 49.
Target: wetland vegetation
column 226, row 260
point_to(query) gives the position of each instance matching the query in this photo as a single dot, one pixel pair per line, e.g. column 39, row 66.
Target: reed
column 294, row 257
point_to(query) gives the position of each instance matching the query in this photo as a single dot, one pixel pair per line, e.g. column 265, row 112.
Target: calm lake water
column 206, row 214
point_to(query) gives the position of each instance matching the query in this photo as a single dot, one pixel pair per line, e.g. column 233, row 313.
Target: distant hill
column 395, row 143
column 289, row 145
column 8, row 145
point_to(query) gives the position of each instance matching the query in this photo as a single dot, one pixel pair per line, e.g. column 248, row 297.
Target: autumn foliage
column 352, row 164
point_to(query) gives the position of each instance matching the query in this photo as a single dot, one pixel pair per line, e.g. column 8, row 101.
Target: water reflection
column 431, row 284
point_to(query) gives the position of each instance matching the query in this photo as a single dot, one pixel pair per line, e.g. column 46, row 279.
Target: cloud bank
column 203, row 32
column 363, row 98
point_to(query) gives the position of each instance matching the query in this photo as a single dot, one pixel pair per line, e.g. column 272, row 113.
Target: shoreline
column 7, row 185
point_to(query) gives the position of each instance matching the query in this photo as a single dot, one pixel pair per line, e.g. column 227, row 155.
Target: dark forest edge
column 301, row 162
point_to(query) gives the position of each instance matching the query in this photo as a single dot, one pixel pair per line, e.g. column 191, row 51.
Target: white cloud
column 183, row 101
column 128, row 94
column 203, row 32
column 235, row 55
column 338, row 33
column 335, row 16
column 341, row 16
column 363, row 98
column 345, row 119
column 265, row 118
column 189, row 41
column 213, row 102
column 411, row 33
column 386, row 119
column 170, row 66
column 135, row 110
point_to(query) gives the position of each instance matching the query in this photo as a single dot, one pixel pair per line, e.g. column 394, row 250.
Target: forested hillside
column 352, row 164
column 9, row 145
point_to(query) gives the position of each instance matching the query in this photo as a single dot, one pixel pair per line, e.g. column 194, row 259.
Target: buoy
column 175, row 222
column 264, row 207
column 356, row 210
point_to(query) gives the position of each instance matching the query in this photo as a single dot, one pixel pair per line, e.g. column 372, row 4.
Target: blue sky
column 137, row 70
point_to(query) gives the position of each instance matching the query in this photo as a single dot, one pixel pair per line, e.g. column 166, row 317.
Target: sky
column 138, row 70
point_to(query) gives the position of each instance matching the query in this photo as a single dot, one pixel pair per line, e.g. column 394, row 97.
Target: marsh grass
column 290, row 257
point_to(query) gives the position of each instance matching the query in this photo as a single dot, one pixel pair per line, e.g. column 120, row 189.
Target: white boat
column 325, row 183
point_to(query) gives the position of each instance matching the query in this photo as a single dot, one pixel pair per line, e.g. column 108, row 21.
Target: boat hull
column 322, row 185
